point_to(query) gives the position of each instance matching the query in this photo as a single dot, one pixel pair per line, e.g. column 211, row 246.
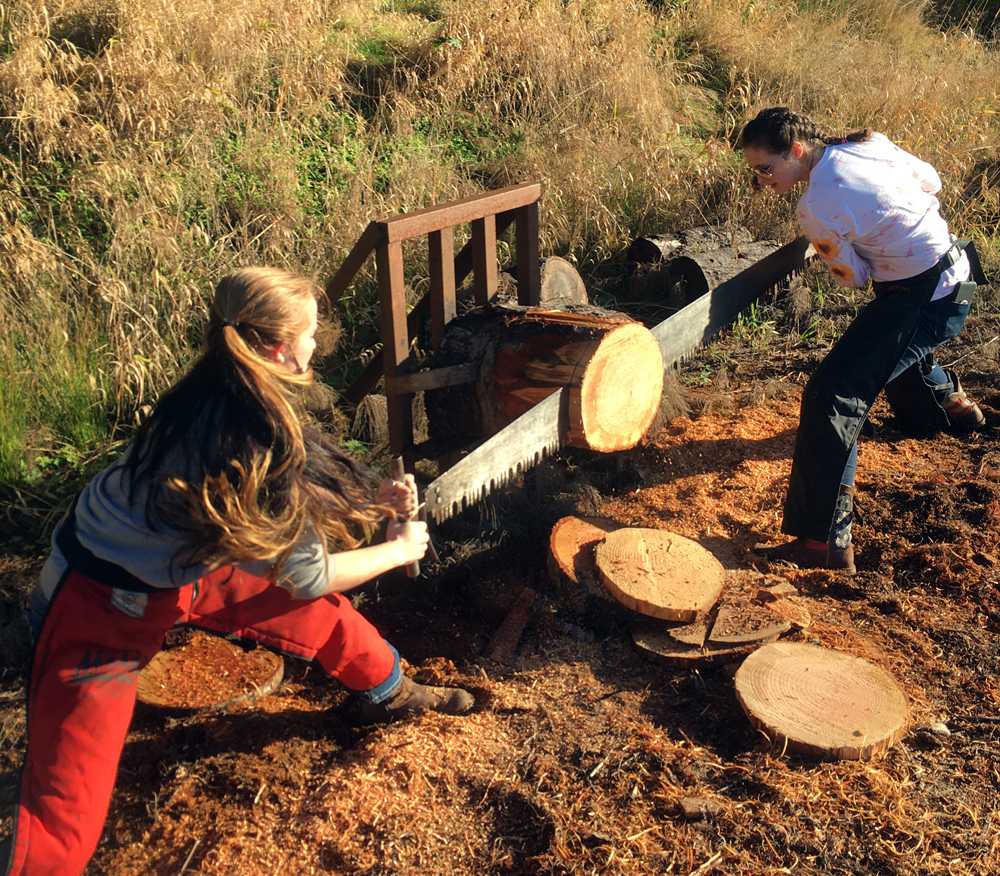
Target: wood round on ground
column 820, row 702
column 206, row 673
column 659, row 573
column 658, row 641
column 739, row 619
column 572, row 542
column 615, row 393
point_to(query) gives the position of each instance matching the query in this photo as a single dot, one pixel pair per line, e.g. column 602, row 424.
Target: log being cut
column 610, row 365
column 570, row 414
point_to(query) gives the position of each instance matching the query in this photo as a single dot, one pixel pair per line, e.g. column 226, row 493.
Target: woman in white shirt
column 871, row 211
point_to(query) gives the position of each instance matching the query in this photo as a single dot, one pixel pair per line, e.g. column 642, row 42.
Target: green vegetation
column 142, row 155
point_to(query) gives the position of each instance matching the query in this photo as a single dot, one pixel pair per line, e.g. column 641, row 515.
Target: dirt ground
column 580, row 749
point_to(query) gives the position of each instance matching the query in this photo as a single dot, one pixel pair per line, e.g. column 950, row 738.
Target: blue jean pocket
column 955, row 319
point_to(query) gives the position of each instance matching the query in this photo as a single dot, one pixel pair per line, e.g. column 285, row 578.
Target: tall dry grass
column 147, row 147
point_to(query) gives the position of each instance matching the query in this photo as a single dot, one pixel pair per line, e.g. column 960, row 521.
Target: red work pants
column 82, row 692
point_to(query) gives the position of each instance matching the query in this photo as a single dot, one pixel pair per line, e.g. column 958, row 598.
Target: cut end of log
column 616, row 395
column 820, row 702
column 659, row 574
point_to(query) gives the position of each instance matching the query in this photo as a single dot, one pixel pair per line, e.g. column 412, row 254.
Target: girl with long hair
column 871, row 212
column 229, row 513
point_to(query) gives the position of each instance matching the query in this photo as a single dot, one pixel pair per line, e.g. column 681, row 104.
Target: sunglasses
column 765, row 171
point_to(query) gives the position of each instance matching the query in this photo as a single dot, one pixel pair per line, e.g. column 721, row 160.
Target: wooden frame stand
column 489, row 215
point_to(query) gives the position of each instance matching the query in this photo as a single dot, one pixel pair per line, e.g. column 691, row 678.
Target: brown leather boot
column 409, row 699
column 963, row 413
column 808, row 553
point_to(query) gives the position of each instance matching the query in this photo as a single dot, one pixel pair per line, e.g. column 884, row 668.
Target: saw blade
column 537, row 433
column 514, row 449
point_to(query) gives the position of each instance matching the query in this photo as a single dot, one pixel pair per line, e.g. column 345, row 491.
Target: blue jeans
column 939, row 321
column 892, row 334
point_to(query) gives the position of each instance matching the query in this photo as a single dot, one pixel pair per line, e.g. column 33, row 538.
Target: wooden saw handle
column 399, row 474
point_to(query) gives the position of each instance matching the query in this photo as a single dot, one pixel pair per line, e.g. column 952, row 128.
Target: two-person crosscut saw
column 540, row 431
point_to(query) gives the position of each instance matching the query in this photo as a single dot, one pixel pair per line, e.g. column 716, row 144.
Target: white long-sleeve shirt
column 871, row 211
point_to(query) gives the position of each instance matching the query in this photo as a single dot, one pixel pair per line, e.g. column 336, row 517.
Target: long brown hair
column 777, row 127
column 231, row 464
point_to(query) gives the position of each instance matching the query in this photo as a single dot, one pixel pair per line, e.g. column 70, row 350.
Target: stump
column 519, row 356
column 820, row 702
column 659, row 574
column 208, row 673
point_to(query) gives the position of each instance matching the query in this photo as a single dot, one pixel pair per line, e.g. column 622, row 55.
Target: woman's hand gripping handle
column 399, row 474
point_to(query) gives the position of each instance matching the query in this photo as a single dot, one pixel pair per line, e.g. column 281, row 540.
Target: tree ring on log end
column 616, row 392
column 820, row 702
column 659, row 574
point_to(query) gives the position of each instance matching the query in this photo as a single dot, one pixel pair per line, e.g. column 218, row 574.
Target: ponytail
column 230, row 464
column 776, row 128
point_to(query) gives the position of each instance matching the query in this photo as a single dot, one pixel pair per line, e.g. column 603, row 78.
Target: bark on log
column 820, row 702
column 612, row 366
column 671, row 272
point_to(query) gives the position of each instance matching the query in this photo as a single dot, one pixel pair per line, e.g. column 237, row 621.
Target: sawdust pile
column 581, row 752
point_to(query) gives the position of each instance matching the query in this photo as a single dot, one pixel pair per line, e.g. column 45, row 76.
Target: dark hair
column 776, row 127
column 230, row 464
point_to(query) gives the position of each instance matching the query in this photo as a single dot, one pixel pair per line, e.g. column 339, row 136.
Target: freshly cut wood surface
column 571, row 546
column 821, row 702
column 659, row 573
column 208, row 672
column 616, row 392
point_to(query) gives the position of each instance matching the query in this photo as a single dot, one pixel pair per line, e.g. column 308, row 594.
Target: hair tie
column 229, row 322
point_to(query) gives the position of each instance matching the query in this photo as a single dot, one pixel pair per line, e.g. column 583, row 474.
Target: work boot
column 964, row 414
column 809, row 553
column 409, row 699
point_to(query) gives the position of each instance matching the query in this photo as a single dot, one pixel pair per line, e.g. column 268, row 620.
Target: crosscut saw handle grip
column 399, row 474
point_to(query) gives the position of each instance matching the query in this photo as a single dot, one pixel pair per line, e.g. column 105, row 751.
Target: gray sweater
column 115, row 530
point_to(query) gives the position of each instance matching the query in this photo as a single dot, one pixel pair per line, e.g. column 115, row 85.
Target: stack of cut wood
column 690, row 613
column 801, row 697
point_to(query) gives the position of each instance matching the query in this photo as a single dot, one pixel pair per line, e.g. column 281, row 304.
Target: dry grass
column 148, row 147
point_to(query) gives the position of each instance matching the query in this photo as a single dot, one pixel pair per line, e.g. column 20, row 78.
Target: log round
column 571, row 557
column 821, row 703
column 208, row 673
column 520, row 355
column 660, row 643
column 659, row 574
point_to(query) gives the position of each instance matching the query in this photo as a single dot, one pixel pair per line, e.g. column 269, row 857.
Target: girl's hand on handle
column 400, row 495
column 410, row 538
